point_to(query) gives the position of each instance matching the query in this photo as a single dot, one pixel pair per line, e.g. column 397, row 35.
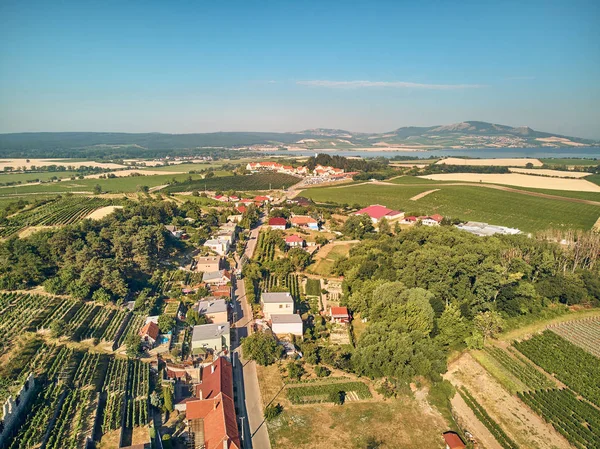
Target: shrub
column 322, row 371
column 273, row 411
column 337, row 397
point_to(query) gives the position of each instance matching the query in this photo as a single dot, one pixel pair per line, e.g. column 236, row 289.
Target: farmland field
column 113, row 185
column 248, row 182
column 583, row 333
column 573, row 366
column 527, row 213
column 34, row 176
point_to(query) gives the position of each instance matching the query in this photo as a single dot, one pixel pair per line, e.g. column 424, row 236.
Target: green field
column 34, row 176
column 112, row 185
column 571, row 161
column 593, row 196
column 527, row 213
column 249, row 182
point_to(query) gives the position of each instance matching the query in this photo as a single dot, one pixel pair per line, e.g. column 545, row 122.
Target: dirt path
column 486, row 186
column 422, row 194
column 516, row 419
column 468, row 421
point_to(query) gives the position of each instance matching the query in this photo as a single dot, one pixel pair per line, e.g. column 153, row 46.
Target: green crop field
column 112, row 185
column 525, row 212
column 571, row 161
column 34, row 176
column 249, row 182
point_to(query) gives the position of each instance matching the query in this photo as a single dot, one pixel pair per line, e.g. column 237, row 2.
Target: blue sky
column 199, row 66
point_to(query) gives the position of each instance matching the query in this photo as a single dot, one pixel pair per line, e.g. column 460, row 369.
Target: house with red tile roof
column 376, row 212
column 431, row 220
column 304, row 221
column 278, row 223
column 211, row 419
column 295, row 241
column 340, row 315
column 149, row 333
column 242, row 209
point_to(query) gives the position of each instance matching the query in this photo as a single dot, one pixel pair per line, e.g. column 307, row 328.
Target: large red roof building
column 212, row 417
column 376, row 212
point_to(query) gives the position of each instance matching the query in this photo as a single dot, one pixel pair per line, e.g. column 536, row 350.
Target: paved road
column 249, row 399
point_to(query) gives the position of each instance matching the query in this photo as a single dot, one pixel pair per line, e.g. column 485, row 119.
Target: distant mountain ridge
column 469, row 134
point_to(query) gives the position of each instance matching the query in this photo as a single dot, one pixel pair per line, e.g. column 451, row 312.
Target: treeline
column 349, row 165
column 433, row 169
column 427, row 291
column 107, row 260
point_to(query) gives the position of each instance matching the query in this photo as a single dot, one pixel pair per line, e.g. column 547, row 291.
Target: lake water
column 576, row 152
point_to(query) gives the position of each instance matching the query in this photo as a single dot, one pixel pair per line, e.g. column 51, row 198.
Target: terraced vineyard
column 59, row 212
column 273, row 283
column 520, row 368
column 576, row 420
column 573, row 366
column 583, row 333
column 64, row 412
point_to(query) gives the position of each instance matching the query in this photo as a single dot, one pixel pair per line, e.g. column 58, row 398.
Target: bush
column 273, row 411
column 337, row 397
column 322, row 371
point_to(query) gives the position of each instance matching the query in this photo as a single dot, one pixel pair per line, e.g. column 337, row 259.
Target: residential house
column 279, row 223
column 209, row 264
column 215, row 309
column 220, row 291
column 295, row 241
column 235, row 218
column 376, row 212
column 211, row 337
column 260, row 200
column 149, row 333
column 222, row 198
column 304, row 221
column 177, row 233
column 340, row 315
column 219, row 246
column 280, row 303
column 409, row 220
column 211, row 419
column 287, row 324
column 432, row 220
column 221, row 277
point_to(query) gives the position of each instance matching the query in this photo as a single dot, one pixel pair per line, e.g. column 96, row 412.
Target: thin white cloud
column 514, row 78
column 394, row 84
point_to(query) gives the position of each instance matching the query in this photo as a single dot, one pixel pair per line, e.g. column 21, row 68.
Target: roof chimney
column 225, row 444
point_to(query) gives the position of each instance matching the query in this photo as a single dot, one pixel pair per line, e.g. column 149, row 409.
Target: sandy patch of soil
column 516, row 419
column 514, row 162
column 45, row 162
column 98, row 214
column 32, row 230
column 562, row 140
column 520, row 180
column 468, row 421
column 422, row 194
column 553, row 173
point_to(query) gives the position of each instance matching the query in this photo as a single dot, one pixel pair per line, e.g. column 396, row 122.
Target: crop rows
column 310, row 394
column 521, row 369
column 290, row 283
column 97, row 326
column 573, row 366
column 58, row 212
column 133, row 327
column 583, row 333
column 502, row 438
column 265, row 248
column 21, row 311
column 576, row 420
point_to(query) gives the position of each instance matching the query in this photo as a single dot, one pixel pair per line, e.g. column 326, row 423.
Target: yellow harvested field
column 99, row 214
column 554, row 173
column 562, row 140
column 45, row 162
column 520, row 180
column 516, row 162
column 124, row 173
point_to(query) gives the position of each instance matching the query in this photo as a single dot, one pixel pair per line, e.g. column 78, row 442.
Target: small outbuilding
column 287, row 324
column 453, row 441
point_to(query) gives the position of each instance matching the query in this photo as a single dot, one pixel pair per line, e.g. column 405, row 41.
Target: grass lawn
column 331, row 254
column 395, row 423
column 114, row 185
column 527, row 213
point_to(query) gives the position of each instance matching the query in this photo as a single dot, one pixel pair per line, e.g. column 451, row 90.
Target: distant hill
column 471, row 134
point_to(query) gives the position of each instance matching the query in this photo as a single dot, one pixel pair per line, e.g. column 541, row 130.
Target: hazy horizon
column 183, row 68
